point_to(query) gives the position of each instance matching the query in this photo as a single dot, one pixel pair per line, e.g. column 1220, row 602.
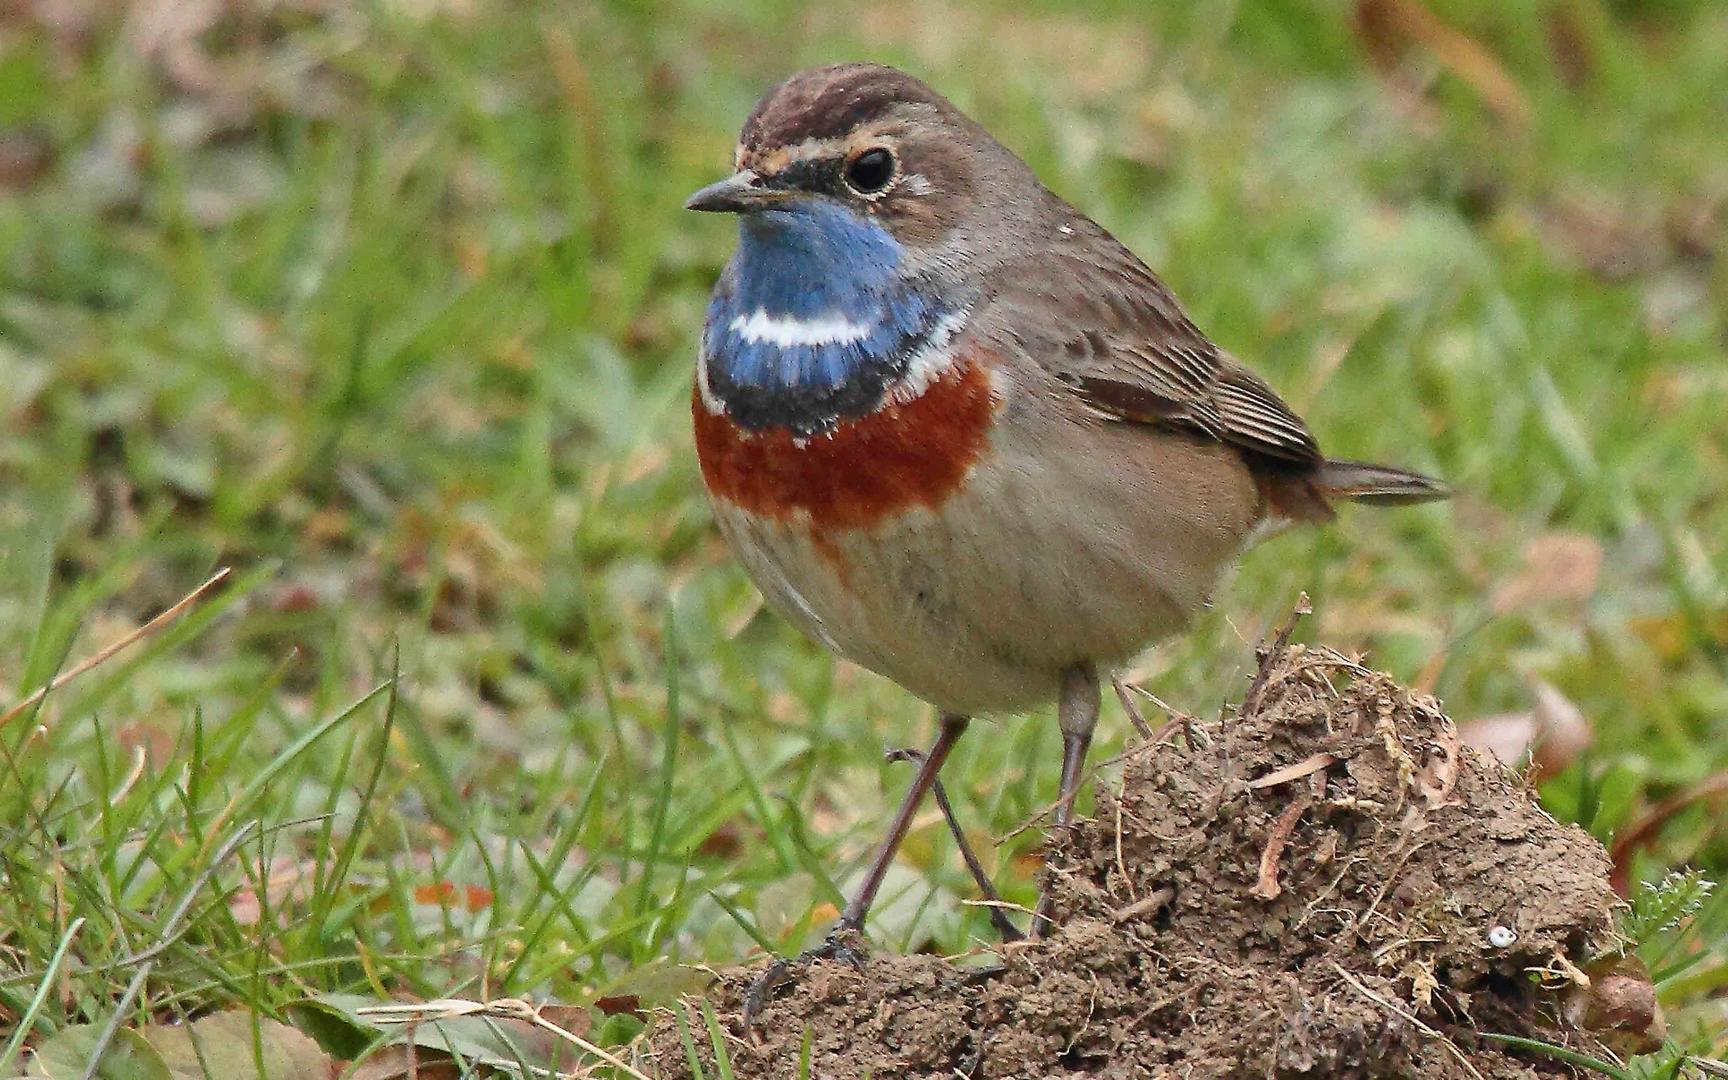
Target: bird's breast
column 914, row 450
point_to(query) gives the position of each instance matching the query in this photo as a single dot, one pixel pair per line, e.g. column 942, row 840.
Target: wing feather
column 1115, row 334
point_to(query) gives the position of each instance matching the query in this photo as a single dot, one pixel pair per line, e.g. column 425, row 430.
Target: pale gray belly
column 1088, row 552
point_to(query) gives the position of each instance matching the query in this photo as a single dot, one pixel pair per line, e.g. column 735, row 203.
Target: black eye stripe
column 835, row 176
column 808, row 175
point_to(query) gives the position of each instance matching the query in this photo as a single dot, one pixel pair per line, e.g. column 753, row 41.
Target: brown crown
column 827, row 102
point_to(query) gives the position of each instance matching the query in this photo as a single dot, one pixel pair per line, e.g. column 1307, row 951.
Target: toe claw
column 761, row 990
column 836, row 946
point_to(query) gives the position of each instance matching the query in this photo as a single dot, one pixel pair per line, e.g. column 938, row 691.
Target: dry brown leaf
column 630, row 1004
column 473, row 898
column 1552, row 734
column 404, row 1062
column 1437, row 770
column 283, row 880
column 1508, row 736
column 725, row 842
column 1563, row 732
column 1604, row 234
column 237, row 1046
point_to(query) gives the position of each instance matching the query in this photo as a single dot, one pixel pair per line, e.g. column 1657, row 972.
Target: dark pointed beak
column 739, row 193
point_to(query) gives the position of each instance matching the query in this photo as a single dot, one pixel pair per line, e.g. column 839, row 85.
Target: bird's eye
column 870, row 172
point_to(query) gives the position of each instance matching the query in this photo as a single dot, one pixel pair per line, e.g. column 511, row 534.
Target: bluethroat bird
column 960, row 435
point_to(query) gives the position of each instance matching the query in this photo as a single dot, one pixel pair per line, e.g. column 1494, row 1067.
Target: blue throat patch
column 813, row 320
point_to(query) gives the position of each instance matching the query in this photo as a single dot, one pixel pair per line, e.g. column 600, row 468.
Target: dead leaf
column 725, row 842
column 629, row 1004
column 1552, row 734
column 283, row 880
column 1558, row 567
column 1508, row 736
column 1437, row 771
column 239, row 1046
column 472, row 898
column 1596, row 234
column 438, row 1029
column 1562, row 731
column 407, row 1062
column 129, row 1056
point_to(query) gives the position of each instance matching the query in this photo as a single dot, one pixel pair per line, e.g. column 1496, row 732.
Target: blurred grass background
column 391, row 307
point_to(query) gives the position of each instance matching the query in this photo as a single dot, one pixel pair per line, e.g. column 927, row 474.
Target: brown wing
column 1117, row 335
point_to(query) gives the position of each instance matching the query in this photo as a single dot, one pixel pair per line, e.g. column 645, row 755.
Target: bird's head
column 860, row 149
column 870, row 210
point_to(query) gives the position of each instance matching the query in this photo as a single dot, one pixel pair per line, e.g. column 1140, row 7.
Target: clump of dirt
column 1321, row 883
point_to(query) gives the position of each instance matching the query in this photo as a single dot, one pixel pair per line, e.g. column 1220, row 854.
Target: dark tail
column 1378, row 484
column 1301, row 492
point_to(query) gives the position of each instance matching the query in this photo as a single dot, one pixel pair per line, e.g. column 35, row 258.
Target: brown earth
column 1321, row 883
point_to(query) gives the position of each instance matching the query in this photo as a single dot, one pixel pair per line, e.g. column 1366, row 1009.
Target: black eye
column 870, row 171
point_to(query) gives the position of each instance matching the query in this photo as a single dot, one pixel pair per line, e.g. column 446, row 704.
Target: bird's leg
column 1005, row 927
column 836, row 947
column 859, row 906
column 1077, row 715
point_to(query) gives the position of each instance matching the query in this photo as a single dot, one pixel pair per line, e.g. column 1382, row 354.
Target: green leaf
column 128, row 1057
column 1664, row 905
column 333, row 1020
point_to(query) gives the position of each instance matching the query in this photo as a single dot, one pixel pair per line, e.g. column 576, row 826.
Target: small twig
column 1267, row 888
column 1251, row 702
column 1151, row 902
column 102, row 655
column 1421, row 1026
column 1179, row 720
column 1004, row 905
column 1133, row 710
column 140, row 756
column 498, row 1009
column 170, row 932
column 532, row 1015
column 1308, row 766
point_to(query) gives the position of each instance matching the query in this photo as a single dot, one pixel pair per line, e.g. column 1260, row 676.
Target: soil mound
column 1321, row 883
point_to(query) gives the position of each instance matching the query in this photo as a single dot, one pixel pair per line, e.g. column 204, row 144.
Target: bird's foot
column 841, row 944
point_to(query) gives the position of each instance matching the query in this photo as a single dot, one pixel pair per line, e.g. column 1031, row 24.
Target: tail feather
column 1377, row 484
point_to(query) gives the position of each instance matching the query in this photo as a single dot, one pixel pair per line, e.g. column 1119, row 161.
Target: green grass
column 395, row 311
